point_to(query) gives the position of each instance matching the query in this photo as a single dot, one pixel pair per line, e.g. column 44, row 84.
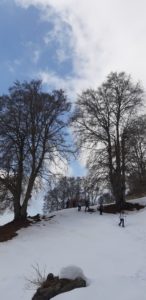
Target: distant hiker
column 67, row 203
column 86, row 205
column 122, row 223
column 101, row 208
column 100, row 202
column 79, row 206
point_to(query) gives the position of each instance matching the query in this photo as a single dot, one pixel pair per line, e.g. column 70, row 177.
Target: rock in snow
column 54, row 285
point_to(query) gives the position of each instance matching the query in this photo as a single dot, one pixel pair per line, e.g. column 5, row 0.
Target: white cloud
column 36, row 56
column 13, row 65
column 72, row 85
column 107, row 35
column 33, row 50
column 61, row 55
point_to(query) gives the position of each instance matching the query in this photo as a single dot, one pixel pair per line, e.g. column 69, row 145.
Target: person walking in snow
column 101, row 208
column 122, row 222
column 86, row 205
column 79, row 206
column 67, row 203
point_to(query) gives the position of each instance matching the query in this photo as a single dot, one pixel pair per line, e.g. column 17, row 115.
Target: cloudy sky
column 71, row 44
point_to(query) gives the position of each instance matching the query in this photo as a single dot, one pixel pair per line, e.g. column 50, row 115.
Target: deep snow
column 112, row 258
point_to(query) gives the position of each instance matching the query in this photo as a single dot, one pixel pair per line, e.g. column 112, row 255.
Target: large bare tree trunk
column 17, row 210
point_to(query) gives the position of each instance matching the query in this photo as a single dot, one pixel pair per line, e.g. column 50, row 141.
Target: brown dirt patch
column 9, row 230
column 112, row 208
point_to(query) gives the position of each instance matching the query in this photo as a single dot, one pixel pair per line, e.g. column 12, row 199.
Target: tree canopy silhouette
column 32, row 134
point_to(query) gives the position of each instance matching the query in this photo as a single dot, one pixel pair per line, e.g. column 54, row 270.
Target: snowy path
column 113, row 258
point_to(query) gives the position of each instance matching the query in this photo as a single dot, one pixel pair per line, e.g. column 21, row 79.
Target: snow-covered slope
column 112, row 258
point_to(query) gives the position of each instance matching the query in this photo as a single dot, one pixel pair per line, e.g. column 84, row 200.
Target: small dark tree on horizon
column 32, row 135
column 100, row 122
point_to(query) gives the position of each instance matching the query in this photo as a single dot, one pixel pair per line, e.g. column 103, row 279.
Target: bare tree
column 32, row 135
column 64, row 190
column 72, row 190
column 100, row 120
column 136, row 158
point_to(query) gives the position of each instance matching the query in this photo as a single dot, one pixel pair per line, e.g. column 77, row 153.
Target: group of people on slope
column 87, row 206
column 100, row 209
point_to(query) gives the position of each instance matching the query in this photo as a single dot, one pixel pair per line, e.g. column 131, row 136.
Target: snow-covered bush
column 72, row 272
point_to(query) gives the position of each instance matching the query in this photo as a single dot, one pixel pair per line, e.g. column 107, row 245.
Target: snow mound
column 72, row 272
